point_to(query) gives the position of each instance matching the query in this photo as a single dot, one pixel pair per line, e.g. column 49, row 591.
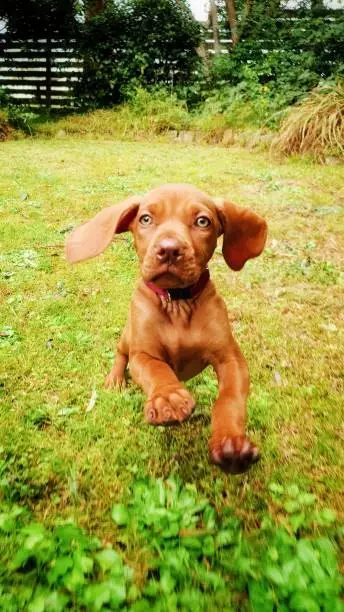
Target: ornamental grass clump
column 316, row 125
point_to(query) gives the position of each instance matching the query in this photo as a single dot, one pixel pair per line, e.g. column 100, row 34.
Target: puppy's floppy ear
column 92, row 238
column 244, row 233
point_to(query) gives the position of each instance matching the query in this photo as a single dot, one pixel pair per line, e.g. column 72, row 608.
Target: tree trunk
column 94, row 7
column 318, row 7
column 233, row 21
column 215, row 26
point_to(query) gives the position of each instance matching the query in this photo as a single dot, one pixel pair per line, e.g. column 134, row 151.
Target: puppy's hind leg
column 116, row 377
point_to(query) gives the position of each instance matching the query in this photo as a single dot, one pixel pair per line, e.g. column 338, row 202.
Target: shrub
column 158, row 111
column 136, row 43
column 22, row 118
column 316, row 125
column 280, row 58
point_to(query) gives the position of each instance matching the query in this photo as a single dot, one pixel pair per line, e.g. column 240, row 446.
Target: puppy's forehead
column 177, row 195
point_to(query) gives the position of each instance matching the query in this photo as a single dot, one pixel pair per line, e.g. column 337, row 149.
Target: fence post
column 48, row 75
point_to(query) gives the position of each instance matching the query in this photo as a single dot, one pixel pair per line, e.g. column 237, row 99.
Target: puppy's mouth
column 170, row 276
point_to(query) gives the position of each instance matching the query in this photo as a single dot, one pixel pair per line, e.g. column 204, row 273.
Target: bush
column 22, row 118
column 11, row 117
column 136, row 43
column 316, row 125
column 19, row 118
column 245, row 104
column 279, row 59
column 158, row 111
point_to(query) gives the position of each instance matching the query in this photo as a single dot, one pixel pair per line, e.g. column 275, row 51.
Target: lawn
column 66, row 459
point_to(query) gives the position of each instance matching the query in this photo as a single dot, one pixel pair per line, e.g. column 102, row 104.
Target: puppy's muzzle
column 169, row 251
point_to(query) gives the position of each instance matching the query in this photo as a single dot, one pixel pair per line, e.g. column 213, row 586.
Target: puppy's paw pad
column 173, row 407
column 233, row 455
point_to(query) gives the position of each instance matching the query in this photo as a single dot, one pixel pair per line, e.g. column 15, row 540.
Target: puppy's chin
column 169, row 281
column 170, row 278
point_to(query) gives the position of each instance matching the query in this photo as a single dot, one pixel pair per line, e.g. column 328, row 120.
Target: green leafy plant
column 21, row 118
column 278, row 566
column 136, row 43
column 52, row 570
column 195, row 558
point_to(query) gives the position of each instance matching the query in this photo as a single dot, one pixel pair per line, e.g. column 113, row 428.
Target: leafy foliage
column 39, row 18
column 21, row 118
column 136, row 42
column 196, row 559
column 282, row 54
column 53, row 569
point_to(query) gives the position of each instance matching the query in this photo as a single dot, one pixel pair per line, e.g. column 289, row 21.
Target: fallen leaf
column 92, row 401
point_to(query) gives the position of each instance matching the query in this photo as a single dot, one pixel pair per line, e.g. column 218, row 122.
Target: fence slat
column 38, row 73
column 21, row 74
column 42, row 93
column 21, row 53
column 56, row 104
column 63, row 82
column 39, row 63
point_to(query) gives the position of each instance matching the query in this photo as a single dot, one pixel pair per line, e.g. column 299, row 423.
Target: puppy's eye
column 203, row 222
column 145, row 220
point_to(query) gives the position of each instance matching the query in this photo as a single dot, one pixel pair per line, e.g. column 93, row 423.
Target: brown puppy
column 178, row 323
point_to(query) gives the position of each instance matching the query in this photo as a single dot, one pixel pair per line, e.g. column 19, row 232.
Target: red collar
column 181, row 293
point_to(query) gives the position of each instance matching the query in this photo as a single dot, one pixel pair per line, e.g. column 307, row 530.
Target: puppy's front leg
column 229, row 447
column 168, row 401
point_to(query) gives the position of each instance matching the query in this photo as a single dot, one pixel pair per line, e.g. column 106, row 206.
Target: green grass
column 156, row 114
column 59, row 326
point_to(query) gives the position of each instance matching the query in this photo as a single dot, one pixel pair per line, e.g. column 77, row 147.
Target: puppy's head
column 175, row 230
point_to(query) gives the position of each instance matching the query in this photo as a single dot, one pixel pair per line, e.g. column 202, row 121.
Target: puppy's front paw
column 112, row 381
column 233, row 455
column 168, row 408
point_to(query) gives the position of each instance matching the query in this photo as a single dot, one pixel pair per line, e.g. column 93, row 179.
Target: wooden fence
column 39, row 73
column 44, row 72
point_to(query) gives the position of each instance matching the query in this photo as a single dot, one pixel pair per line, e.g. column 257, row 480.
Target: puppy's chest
column 183, row 349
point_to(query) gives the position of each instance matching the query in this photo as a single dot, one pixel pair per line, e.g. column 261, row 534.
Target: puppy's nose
column 169, row 250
